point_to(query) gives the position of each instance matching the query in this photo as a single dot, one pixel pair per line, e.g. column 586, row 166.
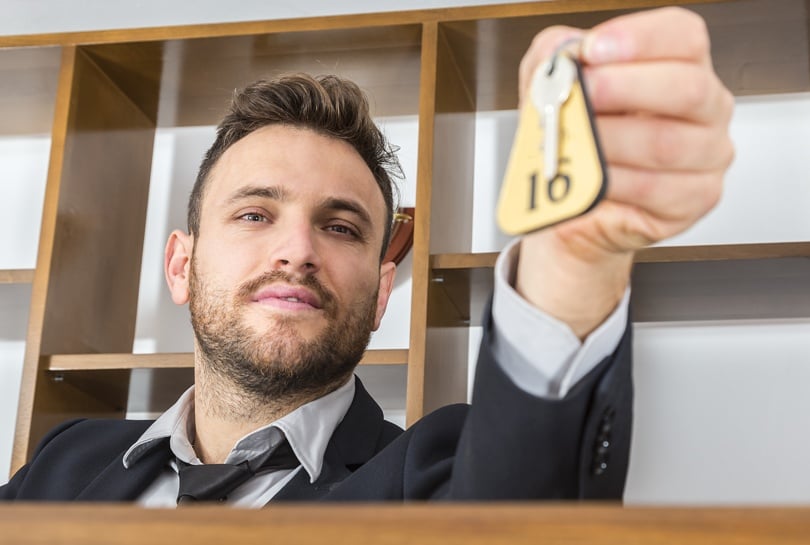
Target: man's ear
column 387, row 273
column 177, row 265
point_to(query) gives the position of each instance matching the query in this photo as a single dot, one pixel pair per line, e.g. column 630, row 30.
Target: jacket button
column 602, row 443
column 603, row 448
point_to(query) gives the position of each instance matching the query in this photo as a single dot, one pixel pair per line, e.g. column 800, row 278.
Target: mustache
column 249, row 287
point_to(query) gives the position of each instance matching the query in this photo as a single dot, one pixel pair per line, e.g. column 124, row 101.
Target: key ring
column 571, row 46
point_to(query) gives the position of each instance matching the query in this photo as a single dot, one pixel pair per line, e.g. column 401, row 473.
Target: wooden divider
column 85, row 287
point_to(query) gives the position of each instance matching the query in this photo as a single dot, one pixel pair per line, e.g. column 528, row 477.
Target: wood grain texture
column 420, row 268
column 84, row 294
column 202, row 74
column 426, row 524
column 328, row 22
column 100, row 217
column 451, row 214
column 180, row 360
column 498, row 35
column 39, row 290
column 16, row 276
column 723, row 252
column 663, row 254
column 463, row 260
column 491, row 47
column 134, row 70
column 462, row 283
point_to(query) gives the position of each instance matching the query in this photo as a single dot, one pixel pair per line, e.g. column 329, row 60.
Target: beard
column 277, row 364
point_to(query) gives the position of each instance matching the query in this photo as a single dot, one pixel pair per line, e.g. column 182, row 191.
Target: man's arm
column 662, row 115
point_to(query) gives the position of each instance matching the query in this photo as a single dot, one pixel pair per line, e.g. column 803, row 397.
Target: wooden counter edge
column 423, row 523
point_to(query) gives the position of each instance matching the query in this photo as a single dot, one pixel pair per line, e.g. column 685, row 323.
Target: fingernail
column 601, row 48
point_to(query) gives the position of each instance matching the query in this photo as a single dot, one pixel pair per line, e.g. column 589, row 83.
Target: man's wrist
column 580, row 293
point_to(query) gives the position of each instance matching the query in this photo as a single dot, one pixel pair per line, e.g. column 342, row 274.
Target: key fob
column 534, row 196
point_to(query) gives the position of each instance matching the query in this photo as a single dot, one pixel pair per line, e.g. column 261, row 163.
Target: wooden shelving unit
column 102, row 95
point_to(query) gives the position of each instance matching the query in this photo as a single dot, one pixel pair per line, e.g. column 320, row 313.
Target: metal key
column 551, row 87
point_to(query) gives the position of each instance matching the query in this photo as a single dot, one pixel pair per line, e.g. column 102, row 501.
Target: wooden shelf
column 723, row 252
column 462, row 283
column 664, row 254
column 16, row 276
column 440, row 262
column 106, row 362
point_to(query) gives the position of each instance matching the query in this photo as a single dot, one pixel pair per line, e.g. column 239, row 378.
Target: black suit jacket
column 506, row 445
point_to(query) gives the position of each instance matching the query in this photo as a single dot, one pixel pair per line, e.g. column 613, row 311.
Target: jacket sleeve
column 517, row 446
column 11, row 490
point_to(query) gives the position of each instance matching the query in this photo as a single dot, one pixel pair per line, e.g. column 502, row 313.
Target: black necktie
column 213, row 482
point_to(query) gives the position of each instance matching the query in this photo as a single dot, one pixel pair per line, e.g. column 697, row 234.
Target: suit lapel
column 353, row 443
column 117, row 483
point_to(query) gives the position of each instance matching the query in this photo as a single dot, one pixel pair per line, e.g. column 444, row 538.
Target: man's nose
column 296, row 250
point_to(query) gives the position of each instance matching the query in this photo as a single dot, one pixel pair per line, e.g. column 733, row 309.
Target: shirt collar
column 308, row 430
column 172, row 424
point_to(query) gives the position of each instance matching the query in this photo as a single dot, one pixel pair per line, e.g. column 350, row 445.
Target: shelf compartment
column 758, row 47
column 28, row 79
column 198, row 76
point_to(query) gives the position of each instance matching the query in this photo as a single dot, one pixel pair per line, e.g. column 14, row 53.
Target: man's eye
column 343, row 230
column 252, row 216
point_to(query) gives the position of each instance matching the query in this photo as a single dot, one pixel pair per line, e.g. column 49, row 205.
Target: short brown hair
column 328, row 105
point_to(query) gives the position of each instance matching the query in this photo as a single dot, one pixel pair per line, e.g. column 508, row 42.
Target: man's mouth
column 288, row 297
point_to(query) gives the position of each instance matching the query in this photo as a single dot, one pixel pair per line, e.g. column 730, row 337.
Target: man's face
column 285, row 284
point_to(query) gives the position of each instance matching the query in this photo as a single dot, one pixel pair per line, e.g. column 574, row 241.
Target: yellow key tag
column 537, row 192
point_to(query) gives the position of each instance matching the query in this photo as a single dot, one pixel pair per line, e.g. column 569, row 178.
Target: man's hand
column 662, row 116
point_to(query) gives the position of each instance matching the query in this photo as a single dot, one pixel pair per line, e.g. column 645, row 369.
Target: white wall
column 24, row 163
column 722, row 407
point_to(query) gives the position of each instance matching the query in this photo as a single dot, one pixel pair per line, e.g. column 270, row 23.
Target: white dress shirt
column 308, row 430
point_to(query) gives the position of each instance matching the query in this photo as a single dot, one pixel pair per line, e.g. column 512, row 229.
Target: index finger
column 541, row 48
column 662, row 34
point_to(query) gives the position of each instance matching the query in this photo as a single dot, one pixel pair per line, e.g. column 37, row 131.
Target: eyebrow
column 266, row 192
column 348, row 205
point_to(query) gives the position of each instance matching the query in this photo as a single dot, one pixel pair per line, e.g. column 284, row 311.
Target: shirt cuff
column 541, row 354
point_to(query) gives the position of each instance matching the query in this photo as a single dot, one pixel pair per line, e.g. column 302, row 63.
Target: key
column 556, row 171
column 550, row 88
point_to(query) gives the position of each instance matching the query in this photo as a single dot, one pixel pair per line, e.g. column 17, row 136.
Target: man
column 282, row 271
